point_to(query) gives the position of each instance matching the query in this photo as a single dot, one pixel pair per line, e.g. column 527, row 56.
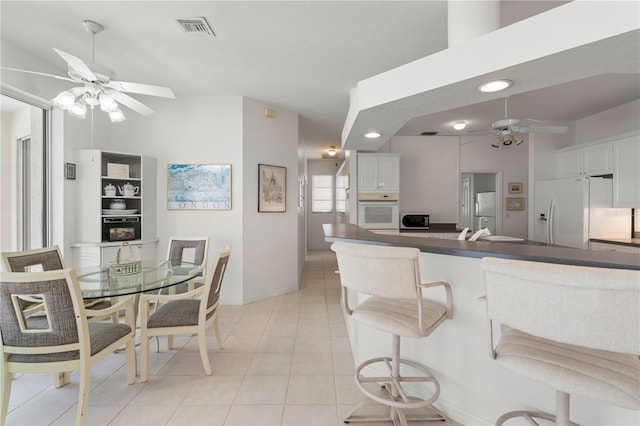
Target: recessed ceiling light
column 459, row 125
column 372, row 135
column 494, row 86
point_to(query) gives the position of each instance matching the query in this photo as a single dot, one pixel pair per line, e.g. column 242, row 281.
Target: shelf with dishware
column 117, row 196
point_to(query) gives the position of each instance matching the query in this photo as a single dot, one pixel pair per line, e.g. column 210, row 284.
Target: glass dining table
column 96, row 282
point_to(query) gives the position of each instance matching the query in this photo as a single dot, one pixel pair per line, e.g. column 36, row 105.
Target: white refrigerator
column 486, row 211
column 569, row 211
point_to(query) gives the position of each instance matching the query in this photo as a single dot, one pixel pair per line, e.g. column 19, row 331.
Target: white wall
column 270, row 240
column 315, row 233
column 616, row 121
column 429, row 175
column 194, row 130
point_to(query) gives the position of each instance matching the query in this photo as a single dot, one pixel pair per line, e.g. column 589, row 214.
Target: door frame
column 499, row 194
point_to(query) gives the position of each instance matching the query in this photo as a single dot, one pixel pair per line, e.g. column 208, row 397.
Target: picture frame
column 70, row 171
column 514, row 203
column 272, row 189
column 199, row 186
column 515, row 187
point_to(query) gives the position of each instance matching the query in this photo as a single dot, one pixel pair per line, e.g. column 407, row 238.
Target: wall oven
column 120, row 229
column 378, row 211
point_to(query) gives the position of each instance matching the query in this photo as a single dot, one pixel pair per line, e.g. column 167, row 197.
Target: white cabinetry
column 626, row 172
column 378, row 173
column 93, row 245
column 591, row 160
column 596, row 246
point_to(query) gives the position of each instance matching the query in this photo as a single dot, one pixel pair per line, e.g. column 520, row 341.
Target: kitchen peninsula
column 474, row 389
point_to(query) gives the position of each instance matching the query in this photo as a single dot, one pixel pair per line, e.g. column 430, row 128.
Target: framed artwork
column 514, row 203
column 515, row 187
column 70, row 171
column 199, row 186
column 272, row 188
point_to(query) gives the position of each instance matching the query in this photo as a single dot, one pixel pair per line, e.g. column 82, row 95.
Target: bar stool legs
column 560, row 419
column 393, row 395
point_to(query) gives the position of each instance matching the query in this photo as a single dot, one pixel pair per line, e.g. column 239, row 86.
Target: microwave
column 414, row 221
column 120, row 229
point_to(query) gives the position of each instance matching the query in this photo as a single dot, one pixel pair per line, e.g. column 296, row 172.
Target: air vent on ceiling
column 428, row 133
column 196, row 26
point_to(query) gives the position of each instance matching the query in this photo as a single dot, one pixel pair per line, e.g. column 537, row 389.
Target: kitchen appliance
column 120, row 229
column 570, row 211
column 486, row 211
column 378, row 211
column 414, row 221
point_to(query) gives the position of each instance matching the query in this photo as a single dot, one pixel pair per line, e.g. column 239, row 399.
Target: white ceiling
column 300, row 55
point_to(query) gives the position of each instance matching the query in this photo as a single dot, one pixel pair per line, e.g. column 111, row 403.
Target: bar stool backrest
column 596, row 308
column 390, row 272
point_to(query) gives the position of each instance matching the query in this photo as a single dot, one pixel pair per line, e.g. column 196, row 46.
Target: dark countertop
column 521, row 250
column 632, row 242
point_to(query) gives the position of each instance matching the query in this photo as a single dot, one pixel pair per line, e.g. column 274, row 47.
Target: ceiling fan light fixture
column 494, row 86
column 64, row 100
column 497, row 143
column 78, row 110
column 517, row 139
column 107, row 103
column 116, row 116
column 459, row 125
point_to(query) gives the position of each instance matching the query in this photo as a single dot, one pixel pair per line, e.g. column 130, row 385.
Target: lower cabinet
column 103, row 254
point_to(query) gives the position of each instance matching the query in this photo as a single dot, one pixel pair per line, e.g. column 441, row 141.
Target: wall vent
column 428, row 133
column 196, row 26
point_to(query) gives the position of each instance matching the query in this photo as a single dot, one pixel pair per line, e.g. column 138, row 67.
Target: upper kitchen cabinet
column 378, row 173
column 590, row 160
column 626, row 172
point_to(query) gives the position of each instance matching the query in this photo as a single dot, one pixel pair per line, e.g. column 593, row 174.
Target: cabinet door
column 367, row 174
column 597, row 159
column 570, row 163
column 389, row 174
column 626, row 172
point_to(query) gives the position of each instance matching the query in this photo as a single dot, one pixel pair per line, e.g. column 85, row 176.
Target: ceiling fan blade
column 130, row 103
column 38, row 73
column 143, row 89
column 77, row 64
column 547, row 129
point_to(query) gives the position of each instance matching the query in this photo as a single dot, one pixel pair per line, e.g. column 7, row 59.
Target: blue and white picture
column 199, row 186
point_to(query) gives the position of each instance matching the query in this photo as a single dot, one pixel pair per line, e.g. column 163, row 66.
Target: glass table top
column 97, row 282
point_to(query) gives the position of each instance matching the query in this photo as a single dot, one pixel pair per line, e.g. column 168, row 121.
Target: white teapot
column 128, row 190
column 110, row 190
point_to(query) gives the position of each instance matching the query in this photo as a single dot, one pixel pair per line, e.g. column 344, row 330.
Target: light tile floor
column 287, row 361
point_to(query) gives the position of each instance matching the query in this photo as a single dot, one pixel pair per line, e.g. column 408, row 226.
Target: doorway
column 480, row 195
column 24, row 197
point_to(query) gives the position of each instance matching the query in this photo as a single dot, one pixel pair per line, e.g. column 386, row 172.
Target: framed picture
column 272, row 188
column 514, row 203
column 199, row 186
column 70, row 171
column 515, row 187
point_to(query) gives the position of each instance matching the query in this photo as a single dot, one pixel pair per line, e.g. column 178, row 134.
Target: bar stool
column 575, row 328
column 390, row 276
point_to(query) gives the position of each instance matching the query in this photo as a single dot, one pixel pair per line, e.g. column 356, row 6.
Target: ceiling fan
column 98, row 86
column 508, row 129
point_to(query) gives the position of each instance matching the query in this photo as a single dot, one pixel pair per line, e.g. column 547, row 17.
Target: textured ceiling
column 300, row 55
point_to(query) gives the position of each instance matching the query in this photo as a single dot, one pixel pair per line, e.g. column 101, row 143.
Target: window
column 321, row 194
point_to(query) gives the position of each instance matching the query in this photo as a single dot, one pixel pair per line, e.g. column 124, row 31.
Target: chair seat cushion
column 601, row 375
column 175, row 313
column 399, row 317
column 101, row 335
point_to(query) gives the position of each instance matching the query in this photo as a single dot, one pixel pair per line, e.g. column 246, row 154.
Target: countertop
column 521, row 250
column 633, row 242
